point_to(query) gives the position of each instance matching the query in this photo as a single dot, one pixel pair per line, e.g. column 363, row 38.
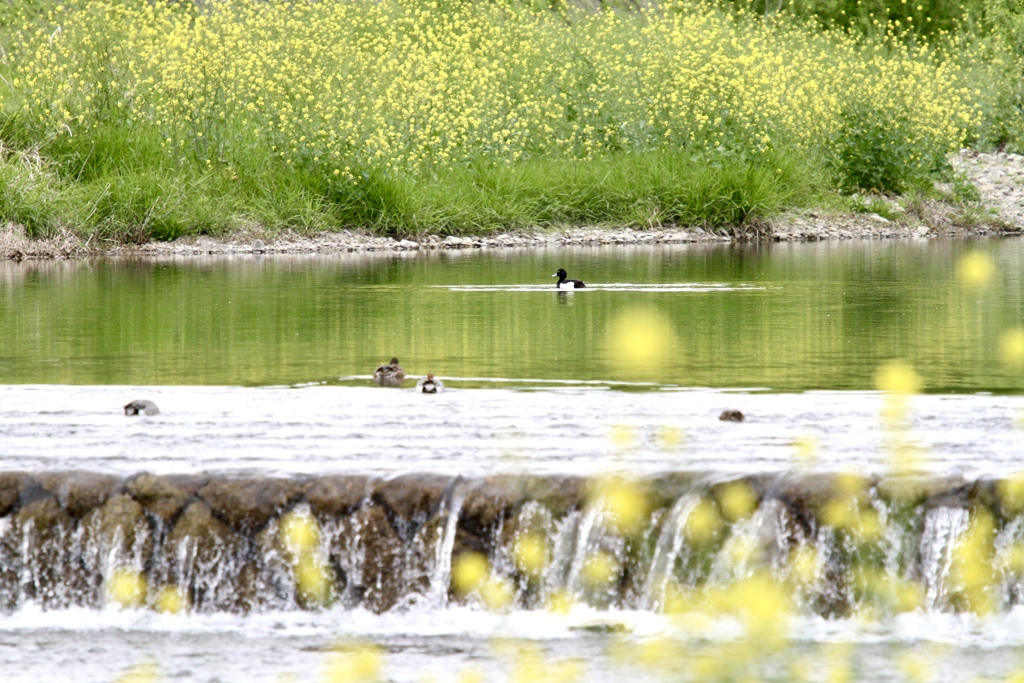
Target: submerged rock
column 80, row 492
column 337, row 495
column 411, row 499
column 11, row 486
column 249, row 503
column 163, row 497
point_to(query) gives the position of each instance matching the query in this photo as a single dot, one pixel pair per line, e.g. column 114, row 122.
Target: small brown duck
column 732, row 416
column 390, row 375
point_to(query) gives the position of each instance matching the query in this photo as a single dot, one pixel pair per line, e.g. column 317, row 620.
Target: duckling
column 564, row 283
column 390, row 375
column 732, row 416
column 430, row 385
column 141, row 407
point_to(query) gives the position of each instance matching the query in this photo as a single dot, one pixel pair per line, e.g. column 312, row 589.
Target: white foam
column 568, row 429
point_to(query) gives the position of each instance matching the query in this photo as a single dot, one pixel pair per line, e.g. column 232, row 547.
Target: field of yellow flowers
column 154, row 119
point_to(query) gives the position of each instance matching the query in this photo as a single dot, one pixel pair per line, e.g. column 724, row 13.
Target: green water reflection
column 810, row 316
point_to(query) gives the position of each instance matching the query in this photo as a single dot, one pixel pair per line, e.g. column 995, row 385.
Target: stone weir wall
column 223, row 542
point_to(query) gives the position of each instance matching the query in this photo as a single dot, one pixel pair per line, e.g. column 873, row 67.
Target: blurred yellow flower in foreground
column 300, row 532
column 314, row 581
column 1011, row 493
column 531, row 554
column 170, row 600
column 806, row 450
column 600, row 569
column 972, row 573
column 915, row 668
column 623, row 436
column 670, row 438
column 761, row 602
column 975, row 269
column 738, row 500
column 704, row 523
column 1011, row 347
column 497, row 593
column 560, row 602
column 625, row 501
column 147, row 672
column 359, row 663
column 807, row 564
column 126, row 587
column 469, row 572
column 897, row 377
column 531, row 666
column 472, row 674
column 641, row 340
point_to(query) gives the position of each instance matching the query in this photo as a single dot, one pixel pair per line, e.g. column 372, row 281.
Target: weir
column 836, row 543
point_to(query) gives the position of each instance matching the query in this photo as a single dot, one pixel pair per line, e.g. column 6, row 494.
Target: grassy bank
column 131, row 121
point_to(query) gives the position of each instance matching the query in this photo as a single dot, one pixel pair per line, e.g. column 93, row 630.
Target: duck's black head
column 560, row 274
column 394, row 361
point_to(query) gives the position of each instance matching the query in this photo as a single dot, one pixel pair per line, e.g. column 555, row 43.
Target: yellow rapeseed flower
column 976, row 269
column 126, row 587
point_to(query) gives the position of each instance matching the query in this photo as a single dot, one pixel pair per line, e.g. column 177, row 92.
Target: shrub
column 881, row 151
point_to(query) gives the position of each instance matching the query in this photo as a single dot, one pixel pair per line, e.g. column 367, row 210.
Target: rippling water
column 791, row 317
column 560, row 429
column 428, row 646
column 261, row 365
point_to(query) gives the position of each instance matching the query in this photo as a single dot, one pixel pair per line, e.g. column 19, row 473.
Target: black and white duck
column 565, row 283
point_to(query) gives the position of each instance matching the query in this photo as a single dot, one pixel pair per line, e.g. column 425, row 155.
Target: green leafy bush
column 881, row 151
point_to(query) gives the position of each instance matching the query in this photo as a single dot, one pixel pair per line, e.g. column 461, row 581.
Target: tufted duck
column 564, row 283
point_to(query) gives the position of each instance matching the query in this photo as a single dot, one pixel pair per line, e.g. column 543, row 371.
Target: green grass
column 118, row 185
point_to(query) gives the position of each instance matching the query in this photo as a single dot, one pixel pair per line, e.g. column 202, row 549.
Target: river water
column 263, row 365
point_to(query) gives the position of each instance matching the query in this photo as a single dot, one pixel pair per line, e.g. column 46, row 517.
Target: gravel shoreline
column 998, row 177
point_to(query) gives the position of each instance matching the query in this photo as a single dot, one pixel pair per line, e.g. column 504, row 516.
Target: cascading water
column 395, row 545
column 440, row 576
column 670, row 544
column 943, row 526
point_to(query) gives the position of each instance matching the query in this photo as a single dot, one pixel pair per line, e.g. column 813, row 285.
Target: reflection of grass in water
column 279, row 322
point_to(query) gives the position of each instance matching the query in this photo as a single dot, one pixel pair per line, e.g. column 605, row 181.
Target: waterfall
column 943, row 526
column 667, row 549
column 387, row 544
column 440, row 577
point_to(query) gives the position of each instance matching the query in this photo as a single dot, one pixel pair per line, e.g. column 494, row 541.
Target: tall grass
column 162, row 119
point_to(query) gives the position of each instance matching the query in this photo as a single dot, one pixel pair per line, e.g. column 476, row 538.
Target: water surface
column 263, row 364
column 787, row 317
